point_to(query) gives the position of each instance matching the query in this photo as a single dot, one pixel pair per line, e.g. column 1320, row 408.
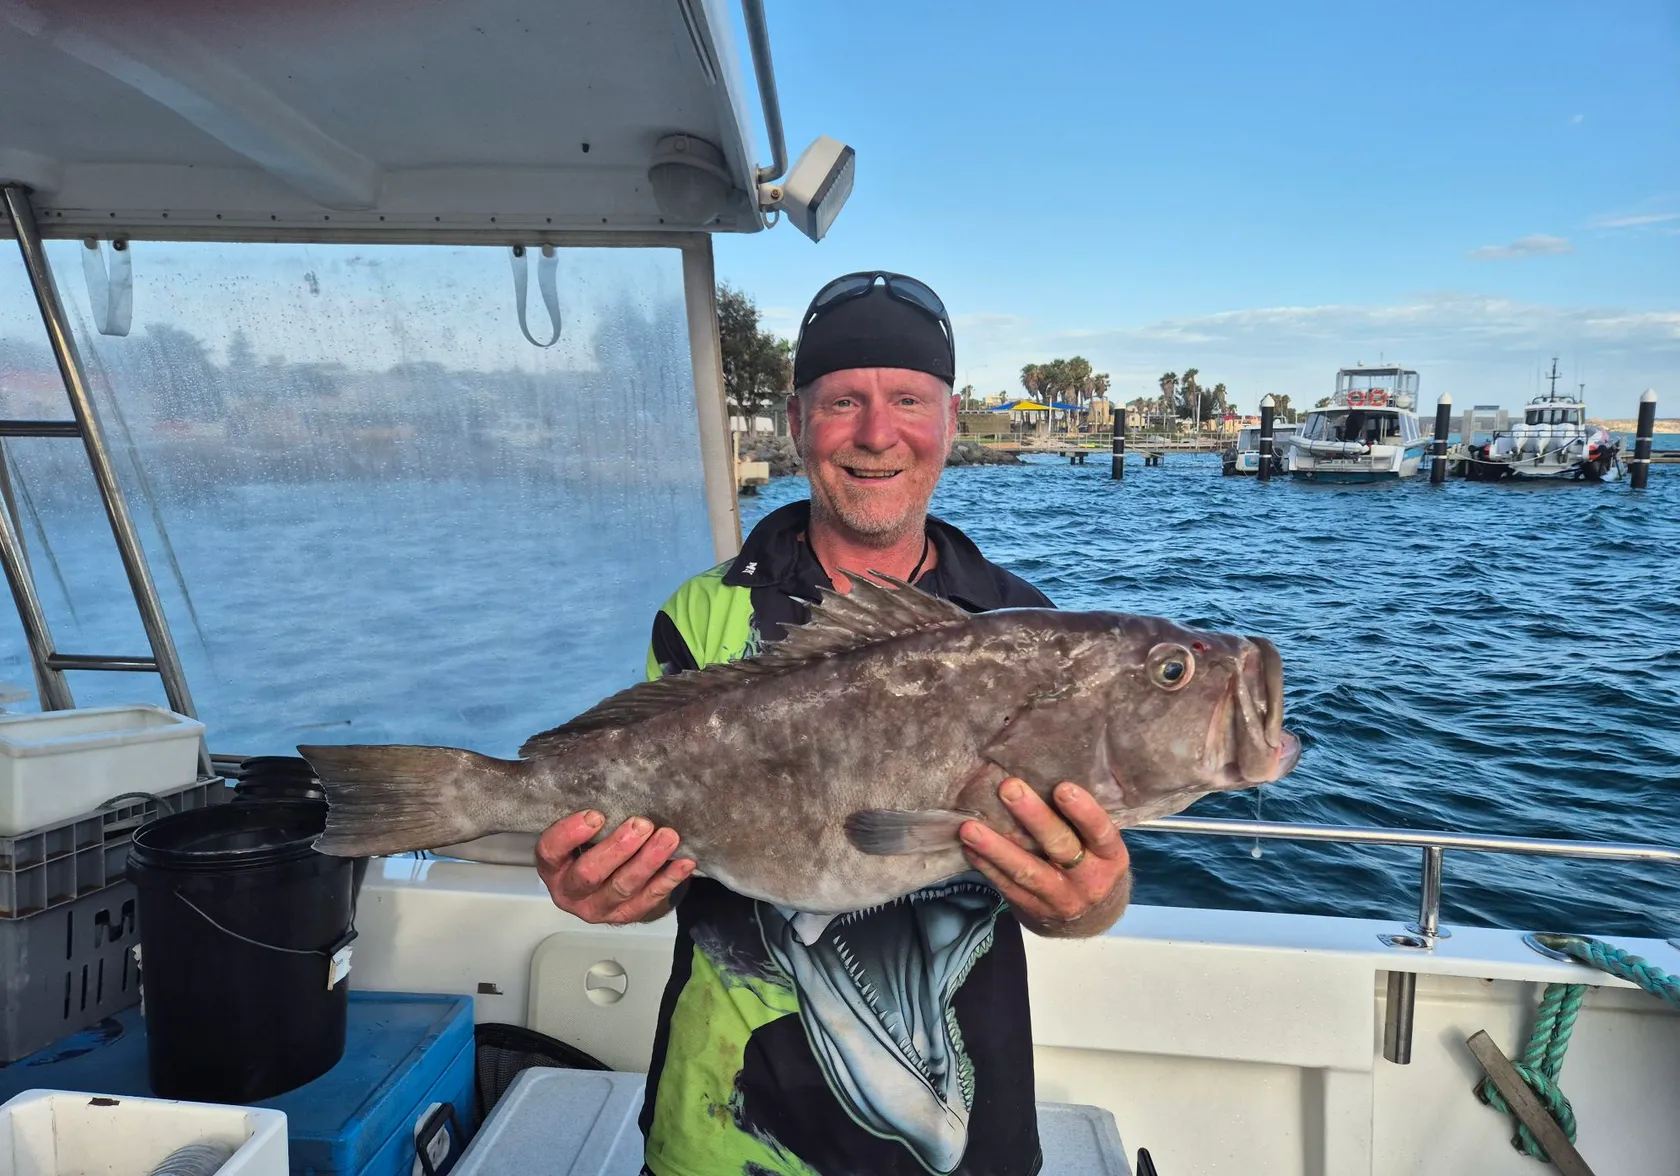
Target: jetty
column 1076, row 447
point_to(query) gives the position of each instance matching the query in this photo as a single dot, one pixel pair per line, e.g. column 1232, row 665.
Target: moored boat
column 1243, row 457
column 1553, row 442
column 1368, row 432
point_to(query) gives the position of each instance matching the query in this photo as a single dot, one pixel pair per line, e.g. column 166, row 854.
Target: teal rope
column 1625, row 965
column 1554, row 1021
column 1540, row 1063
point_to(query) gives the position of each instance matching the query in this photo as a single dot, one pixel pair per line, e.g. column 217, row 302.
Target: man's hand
column 627, row 878
column 1086, row 893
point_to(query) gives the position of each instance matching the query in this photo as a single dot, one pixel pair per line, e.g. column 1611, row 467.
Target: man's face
column 874, row 441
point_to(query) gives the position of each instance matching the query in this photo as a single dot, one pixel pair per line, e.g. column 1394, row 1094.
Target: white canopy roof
column 369, row 118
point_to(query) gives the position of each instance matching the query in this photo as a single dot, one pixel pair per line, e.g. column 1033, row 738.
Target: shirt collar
column 773, row 557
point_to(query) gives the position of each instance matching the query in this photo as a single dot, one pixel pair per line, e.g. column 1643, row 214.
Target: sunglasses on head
column 905, row 289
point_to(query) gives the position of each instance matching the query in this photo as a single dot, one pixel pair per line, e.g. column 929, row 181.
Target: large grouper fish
column 831, row 771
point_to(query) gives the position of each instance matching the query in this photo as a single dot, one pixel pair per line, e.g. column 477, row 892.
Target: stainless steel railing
column 1421, row 935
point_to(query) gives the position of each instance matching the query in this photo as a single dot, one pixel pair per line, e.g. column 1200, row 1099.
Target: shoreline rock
column 972, row 453
column 777, row 452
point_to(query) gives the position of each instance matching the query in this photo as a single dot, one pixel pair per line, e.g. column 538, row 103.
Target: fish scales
column 832, row 771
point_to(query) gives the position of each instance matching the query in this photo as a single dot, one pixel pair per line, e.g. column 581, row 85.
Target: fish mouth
column 1264, row 750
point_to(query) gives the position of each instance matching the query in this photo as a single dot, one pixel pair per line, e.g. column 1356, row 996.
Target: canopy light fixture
column 690, row 183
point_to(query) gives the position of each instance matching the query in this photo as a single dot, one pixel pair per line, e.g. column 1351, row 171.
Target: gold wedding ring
column 1079, row 857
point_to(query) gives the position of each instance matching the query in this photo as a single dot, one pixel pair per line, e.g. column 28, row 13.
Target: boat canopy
column 1248, row 437
column 1553, row 412
column 1366, row 426
column 380, row 120
column 1376, row 387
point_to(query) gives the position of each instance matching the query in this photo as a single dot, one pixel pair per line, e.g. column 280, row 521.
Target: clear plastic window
column 394, row 517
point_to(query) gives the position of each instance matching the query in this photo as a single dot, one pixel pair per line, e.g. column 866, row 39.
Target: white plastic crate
column 61, row 764
column 584, row 1123
column 65, row 1133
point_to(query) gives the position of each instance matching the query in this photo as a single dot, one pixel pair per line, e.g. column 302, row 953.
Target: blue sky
column 1266, row 192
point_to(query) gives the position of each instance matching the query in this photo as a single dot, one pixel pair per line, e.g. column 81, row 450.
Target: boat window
column 396, row 519
column 1313, row 428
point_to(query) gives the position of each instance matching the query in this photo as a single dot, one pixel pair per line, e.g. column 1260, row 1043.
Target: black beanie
column 873, row 330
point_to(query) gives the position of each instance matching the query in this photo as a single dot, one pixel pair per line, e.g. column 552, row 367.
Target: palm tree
column 1169, row 396
column 1190, row 394
column 1032, row 379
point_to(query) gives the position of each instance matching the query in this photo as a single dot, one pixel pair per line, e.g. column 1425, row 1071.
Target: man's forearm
column 1093, row 922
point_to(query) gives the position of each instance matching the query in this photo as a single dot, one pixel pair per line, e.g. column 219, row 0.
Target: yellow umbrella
column 1029, row 406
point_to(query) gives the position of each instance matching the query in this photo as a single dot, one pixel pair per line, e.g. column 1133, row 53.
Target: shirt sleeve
column 668, row 653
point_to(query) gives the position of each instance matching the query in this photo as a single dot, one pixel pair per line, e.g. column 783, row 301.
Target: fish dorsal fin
column 868, row 615
column 839, row 624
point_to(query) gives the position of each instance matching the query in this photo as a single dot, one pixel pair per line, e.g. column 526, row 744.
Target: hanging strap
column 546, row 269
column 110, row 285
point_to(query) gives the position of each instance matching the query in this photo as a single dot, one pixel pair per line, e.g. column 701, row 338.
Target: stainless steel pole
column 54, row 690
column 1397, row 1019
column 758, row 39
column 1428, row 925
column 28, row 235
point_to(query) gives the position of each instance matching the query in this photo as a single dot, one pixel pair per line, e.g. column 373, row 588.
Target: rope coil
column 1539, row 1066
column 1554, row 1021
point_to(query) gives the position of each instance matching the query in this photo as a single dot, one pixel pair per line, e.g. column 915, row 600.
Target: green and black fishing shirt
column 895, row 1040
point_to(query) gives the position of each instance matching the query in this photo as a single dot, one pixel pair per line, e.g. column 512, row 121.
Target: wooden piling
column 1268, row 407
column 1117, row 470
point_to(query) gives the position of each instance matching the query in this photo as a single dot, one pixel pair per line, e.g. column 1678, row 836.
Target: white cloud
column 1634, row 220
column 1577, row 120
column 1534, row 245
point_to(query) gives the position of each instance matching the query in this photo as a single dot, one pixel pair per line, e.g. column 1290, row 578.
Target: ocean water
column 1488, row 658
column 1492, row 658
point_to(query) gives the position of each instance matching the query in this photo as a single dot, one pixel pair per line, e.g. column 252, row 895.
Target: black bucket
column 277, row 777
column 239, row 921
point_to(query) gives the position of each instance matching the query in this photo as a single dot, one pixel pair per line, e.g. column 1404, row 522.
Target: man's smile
column 869, row 475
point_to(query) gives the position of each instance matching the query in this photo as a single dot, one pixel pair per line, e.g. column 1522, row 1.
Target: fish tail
column 388, row 799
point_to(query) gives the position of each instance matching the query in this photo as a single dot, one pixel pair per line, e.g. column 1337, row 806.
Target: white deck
column 1224, row 1042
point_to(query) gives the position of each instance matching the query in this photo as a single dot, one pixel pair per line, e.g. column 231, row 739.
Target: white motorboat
column 1553, row 442
column 1367, row 433
column 1243, row 457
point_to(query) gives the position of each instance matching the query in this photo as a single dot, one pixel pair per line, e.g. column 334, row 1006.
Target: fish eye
column 1171, row 666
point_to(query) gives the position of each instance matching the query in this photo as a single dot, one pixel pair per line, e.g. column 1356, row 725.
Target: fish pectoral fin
column 886, row 832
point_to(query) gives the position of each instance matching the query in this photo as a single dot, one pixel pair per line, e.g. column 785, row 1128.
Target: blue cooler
column 401, row 1102
column 403, row 1090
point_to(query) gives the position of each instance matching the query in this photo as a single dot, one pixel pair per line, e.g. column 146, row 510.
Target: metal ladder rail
column 50, row 664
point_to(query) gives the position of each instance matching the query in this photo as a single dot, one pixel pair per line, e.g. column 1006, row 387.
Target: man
column 890, row 1041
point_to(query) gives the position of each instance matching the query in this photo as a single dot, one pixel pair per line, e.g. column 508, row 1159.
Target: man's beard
column 872, row 527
